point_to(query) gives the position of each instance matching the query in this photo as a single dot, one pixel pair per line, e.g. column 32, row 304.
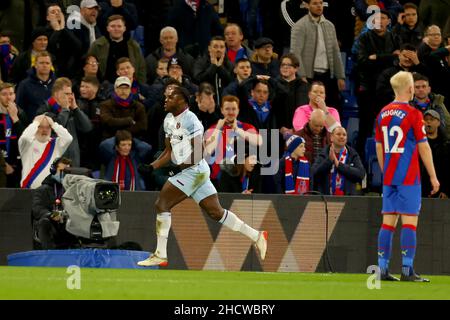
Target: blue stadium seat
column 352, row 131
column 374, row 174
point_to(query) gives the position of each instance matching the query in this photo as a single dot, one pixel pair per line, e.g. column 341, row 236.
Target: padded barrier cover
column 84, row 258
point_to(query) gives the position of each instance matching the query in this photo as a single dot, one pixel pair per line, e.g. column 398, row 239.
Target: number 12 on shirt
column 397, row 132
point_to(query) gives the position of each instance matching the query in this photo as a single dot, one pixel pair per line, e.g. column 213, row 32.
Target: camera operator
column 48, row 220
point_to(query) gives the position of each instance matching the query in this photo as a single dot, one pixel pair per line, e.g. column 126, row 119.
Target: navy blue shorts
column 405, row 200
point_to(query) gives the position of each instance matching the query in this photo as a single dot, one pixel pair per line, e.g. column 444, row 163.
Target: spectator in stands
column 214, row 67
column 293, row 176
column 338, row 168
column 62, row 43
column 407, row 61
column 161, row 69
column 139, row 90
column 314, row 43
column 108, row 49
column 38, row 149
column 222, row 138
column 436, row 56
column 425, row 100
column 196, row 22
column 89, row 30
column 434, row 12
column 36, row 88
column 63, row 109
column 123, row 8
column 27, row 59
column 317, row 98
column 315, row 134
column 49, row 228
column 264, row 60
column 168, row 50
column 122, row 112
column 90, row 69
column 204, row 106
column 89, row 102
column 121, row 155
column 13, row 122
column 440, row 148
column 8, row 53
column 3, row 182
column 297, row 90
column 242, row 70
column 243, row 177
column 391, row 7
column 377, row 51
column 408, row 28
column 236, row 50
column 16, row 17
column 257, row 108
column 175, row 72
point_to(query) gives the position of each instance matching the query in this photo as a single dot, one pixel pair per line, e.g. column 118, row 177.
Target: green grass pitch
column 51, row 283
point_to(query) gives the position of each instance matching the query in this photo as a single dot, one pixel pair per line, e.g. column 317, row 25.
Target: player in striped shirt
column 401, row 138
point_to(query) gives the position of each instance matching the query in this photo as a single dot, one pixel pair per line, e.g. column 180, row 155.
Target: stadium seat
column 374, row 174
column 352, row 131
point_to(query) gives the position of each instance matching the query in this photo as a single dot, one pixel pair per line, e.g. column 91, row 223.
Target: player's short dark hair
column 182, row 92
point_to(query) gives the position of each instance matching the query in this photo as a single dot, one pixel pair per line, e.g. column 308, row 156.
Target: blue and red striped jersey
column 399, row 128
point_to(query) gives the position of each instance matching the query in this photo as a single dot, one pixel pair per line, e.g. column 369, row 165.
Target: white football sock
column 230, row 220
column 163, row 222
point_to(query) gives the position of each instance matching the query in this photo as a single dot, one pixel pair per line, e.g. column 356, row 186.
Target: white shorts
column 194, row 181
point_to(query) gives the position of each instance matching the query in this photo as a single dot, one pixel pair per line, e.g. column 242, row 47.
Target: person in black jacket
column 440, row 148
column 338, row 168
column 408, row 28
column 48, row 223
column 408, row 60
column 196, row 23
column 214, row 67
column 37, row 87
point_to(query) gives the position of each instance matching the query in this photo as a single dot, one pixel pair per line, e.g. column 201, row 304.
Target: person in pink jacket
column 316, row 96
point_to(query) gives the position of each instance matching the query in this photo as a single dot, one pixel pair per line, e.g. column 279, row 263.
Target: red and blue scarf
column 262, row 111
column 55, row 107
column 301, row 184
column 7, row 124
column 124, row 173
column 336, row 179
column 40, row 165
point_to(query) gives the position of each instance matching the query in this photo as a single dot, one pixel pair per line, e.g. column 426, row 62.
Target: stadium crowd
column 88, row 80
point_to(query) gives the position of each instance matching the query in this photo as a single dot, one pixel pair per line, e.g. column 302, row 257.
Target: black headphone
column 54, row 166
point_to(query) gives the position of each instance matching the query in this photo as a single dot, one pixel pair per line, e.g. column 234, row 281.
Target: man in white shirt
column 38, row 149
column 184, row 146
